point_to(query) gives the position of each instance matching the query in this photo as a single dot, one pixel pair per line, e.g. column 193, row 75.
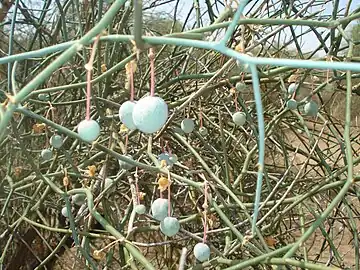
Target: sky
column 308, row 42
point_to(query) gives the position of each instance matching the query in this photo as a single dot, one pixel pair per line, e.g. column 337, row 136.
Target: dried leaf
column 141, row 195
column 270, row 241
column 99, row 255
column 123, row 129
column 103, row 68
column 92, row 170
column 163, row 183
column 17, row 171
column 38, row 128
column 66, row 181
column 163, row 163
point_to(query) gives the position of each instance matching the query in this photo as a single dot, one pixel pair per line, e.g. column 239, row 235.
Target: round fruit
column 126, row 114
column 239, row 118
column 56, row 141
column 64, row 212
column 291, row 104
column 166, row 157
column 79, row 199
column 240, row 86
column 173, row 158
column 150, row 114
column 159, row 209
column 125, row 165
column 203, row 131
column 88, row 130
column 201, row 252
column 292, row 88
column 46, row 154
column 140, row 209
column 170, row 226
column 311, row 108
column 187, row 125
column 44, row 97
column 108, row 182
column 243, row 66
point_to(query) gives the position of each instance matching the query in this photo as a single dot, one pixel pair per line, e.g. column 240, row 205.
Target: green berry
column 292, row 88
column 239, row 118
column 88, row 130
column 173, row 158
column 44, row 97
column 140, row 209
column 170, row 226
column 64, row 212
column 203, row 131
column 56, row 141
column 311, row 108
column 46, row 154
column 79, row 199
column 159, row 209
column 187, row 125
column 240, row 86
column 291, row 104
column 201, row 252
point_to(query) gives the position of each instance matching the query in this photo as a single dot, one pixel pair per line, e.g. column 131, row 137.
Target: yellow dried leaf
column 293, row 78
column 141, row 195
column 99, row 255
column 163, row 183
column 92, row 170
column 232, row 90
column 270, row 241
column 38, row 128
column 17, row 171
column 123, row 129
column 66, row 181
column 239, row 48
column 163, row 163
column 103, row 68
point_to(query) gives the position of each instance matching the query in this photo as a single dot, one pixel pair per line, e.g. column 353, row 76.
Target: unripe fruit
column 64, row 212
column 126, row 114
column 140, row 209
column 201, row 252
column 79, row 199
column 166, row 157
column 46, row 154
column 311, row 108
column 239, row 118
column 170, row 226
column 203, row 131
column 150, row 114
column 159, row 209
column 243, row 66
column 88, row 130
column 56, row 141
column 240, row 86
column 173, row 158
column 44, row 97
column 292, row 88
column 125, row 165
column 291, row 104
column 187, row 125
column 108, row 182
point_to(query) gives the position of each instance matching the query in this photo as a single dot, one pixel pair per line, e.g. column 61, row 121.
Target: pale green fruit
column 187, row 125
column 79, row 199
column 64, row 212
column 56, row 141
column 170, row 226
column 46, row 154
column 239, row 118
column 311, row 108
column 140, row 209
column 159, row 209
column 201, row 252
column 291, row 104
column 240, row 86
column 203, row 131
